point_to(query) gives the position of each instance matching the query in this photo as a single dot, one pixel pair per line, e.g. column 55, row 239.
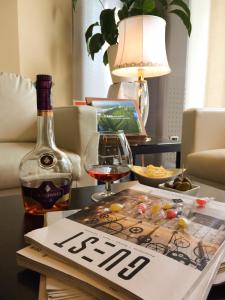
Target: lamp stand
column 142, row 97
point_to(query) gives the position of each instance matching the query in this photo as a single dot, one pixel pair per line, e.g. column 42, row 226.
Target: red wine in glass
column 107, row 173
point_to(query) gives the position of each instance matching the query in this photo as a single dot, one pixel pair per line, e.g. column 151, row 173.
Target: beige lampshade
column 142, row 49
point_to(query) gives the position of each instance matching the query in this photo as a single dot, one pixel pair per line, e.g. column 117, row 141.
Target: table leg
column 178, row 157
column 132, row 175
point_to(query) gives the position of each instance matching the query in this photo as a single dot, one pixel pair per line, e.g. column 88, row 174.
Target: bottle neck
column 45, row 130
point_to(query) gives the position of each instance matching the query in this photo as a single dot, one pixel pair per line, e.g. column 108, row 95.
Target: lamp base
column 143, row 98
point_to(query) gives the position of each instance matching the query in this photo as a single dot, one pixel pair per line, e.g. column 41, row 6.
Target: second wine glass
column 108, row 158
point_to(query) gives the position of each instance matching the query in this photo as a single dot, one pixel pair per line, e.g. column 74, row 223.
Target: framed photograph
column 118, row 114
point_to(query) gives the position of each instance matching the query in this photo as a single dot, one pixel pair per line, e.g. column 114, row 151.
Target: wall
column 36, row 37
column 9, row 50
column 166, row 93
column 172, row 86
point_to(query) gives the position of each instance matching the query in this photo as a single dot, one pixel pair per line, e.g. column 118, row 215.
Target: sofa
column 18, row 115
column 203, row 144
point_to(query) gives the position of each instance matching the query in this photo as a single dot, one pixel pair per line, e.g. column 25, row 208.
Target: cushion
column 10, row 157
column 208, row 164
column 18, row 109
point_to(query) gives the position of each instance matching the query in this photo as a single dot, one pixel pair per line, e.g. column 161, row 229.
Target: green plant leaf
column 128, row 2
column 105, row 58
column 164, row 3
column 145, row 5
column 108, row 26
column 89, row 31
column 148, row 5
column 138, row 4
column 95, row 44
column 135, row 12
column 182, row 4
column 184, row 17
column 158, row 13
column 123, row 12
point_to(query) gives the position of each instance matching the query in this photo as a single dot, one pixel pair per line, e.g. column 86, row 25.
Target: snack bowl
column 154, row 179
column 192, row 192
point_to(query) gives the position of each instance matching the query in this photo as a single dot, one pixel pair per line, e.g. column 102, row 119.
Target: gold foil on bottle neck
column 45, row 113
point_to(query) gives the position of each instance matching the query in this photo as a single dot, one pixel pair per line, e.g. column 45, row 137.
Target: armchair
column 73, row 127
column 203, row 144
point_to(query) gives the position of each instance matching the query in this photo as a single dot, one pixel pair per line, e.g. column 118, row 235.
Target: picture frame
column 119, row 114
column 79, row 102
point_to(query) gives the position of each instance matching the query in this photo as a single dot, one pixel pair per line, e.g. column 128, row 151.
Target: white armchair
column 203, row 143
column 73, row 128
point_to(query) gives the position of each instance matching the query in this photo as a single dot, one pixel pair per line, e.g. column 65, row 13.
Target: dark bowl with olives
column 181, row 184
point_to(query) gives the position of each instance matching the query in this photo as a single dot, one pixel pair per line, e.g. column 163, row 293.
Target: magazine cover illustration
column 193, row 246
column 117, row 115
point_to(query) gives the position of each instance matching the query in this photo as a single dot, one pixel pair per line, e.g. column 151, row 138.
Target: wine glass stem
column 108, row 187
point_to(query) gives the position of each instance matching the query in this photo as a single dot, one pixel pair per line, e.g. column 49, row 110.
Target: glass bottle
column 45, row 172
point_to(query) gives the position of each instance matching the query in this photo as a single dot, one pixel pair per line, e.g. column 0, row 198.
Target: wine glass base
column 100, row 196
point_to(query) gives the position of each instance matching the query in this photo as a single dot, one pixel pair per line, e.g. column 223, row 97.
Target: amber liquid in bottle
column 45, row 172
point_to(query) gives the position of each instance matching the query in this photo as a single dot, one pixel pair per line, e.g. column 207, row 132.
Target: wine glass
column 107, row 158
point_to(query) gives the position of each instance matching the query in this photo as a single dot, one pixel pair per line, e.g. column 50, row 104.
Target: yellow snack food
column 167, row 205
column 115, row 207
column 155, row 208
column 157, row 172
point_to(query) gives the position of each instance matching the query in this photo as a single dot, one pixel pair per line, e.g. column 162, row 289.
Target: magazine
column 61, row 291
column 119, row 114
column 139, row 251
column 61, row 273
column 219, row 277
column 52, row 217
column 37, row 260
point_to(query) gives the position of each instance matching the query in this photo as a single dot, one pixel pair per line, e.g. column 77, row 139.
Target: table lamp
column 142, row 53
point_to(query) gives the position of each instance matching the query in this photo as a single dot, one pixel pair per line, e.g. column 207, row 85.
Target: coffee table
column 17, row 283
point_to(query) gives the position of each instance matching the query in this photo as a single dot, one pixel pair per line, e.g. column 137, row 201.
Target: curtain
column 90, row 78
column 215, row 80
column 197, row 54
column 205, row 73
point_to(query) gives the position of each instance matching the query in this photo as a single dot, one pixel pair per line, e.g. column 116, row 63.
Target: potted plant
column 108, row 26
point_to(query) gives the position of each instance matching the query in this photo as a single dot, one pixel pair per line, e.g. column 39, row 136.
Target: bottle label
column 47, row 160
column 47, row 194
